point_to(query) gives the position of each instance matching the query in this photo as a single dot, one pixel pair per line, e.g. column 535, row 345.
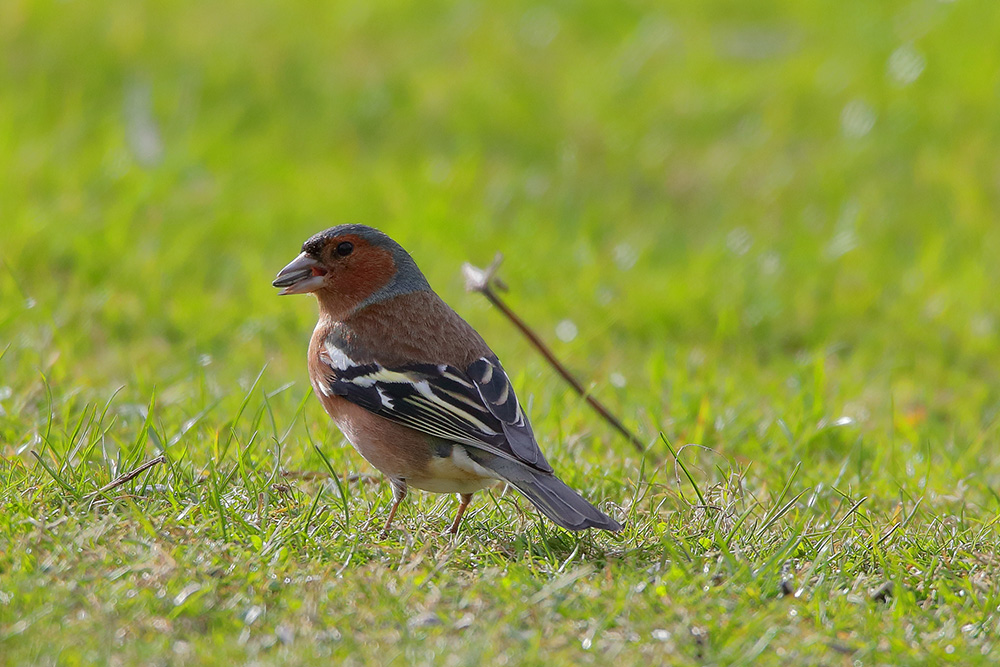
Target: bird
column 414, row 387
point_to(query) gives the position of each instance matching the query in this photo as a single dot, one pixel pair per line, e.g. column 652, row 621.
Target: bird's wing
column 476, row 407
column 497, row 394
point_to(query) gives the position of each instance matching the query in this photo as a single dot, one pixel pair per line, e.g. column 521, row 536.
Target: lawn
column 764, row 234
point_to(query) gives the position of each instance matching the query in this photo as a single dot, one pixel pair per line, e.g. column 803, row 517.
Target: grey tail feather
column 564, row 506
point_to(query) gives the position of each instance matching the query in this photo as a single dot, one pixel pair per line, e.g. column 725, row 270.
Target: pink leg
column 398, row 493
column 464, row 500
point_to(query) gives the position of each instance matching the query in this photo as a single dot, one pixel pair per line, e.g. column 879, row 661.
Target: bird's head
column 350, row 266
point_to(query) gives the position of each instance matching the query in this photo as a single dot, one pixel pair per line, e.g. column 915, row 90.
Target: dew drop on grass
column 905, row 65
column 981, row 325
column 857, row 119
column 770, row 263
column 604, row 295
column 739, row 241
column 842, row 243
column 142, row 131
column 625, row 256
column 566, row 331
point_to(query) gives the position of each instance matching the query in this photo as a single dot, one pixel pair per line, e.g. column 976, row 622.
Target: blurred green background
column 768, row 228
column 773, row 176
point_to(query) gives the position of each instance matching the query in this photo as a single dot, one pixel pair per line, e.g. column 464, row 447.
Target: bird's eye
column 345, row 248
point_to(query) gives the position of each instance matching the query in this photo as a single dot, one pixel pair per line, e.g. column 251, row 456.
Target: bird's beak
column 303, row 274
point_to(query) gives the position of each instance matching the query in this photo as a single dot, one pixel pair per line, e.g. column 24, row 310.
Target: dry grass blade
column 129, row 476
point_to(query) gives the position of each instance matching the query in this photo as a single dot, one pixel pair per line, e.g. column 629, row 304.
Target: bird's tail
column 564, row 506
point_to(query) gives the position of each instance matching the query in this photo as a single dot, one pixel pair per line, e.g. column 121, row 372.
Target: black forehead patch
column 314, row 244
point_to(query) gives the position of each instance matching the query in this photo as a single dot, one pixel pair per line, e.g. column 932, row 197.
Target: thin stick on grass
column 129, row 476
column 483, row 281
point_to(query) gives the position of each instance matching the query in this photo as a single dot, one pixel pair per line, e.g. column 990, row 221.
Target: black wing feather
column 498, row 395
column 445, row 402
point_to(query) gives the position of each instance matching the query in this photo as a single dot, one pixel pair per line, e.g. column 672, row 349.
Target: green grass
column 772, row 224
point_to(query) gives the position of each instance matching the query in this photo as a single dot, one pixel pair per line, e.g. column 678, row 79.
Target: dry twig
column 129, row 476
column 483, row 281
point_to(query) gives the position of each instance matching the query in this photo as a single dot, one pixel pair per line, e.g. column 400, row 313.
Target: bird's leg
column 398, row 493
column 463, row 502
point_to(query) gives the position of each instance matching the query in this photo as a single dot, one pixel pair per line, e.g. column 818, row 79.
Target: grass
column 765, row 234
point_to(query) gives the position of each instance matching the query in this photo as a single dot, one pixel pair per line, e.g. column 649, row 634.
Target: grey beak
column 297, row 277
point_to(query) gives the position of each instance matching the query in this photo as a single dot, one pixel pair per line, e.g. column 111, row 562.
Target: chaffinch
column 412, row 385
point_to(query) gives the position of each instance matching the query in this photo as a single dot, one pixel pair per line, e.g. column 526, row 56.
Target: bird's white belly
column 453, row 474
